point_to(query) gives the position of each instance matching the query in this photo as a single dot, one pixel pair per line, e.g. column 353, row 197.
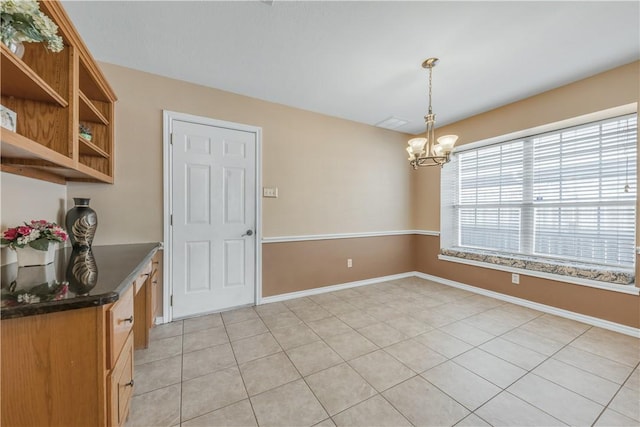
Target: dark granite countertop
column 76, row 279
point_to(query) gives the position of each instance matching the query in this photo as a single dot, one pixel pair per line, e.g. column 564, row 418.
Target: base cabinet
column 54, row 369
column 121, row 384
column 75, row 367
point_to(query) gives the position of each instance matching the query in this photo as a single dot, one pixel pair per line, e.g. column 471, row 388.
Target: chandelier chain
column 430, row 73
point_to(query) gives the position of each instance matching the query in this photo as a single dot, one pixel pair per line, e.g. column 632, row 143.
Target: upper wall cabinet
column 53, row 95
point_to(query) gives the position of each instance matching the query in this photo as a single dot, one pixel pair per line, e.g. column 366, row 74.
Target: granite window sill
column 617, row 277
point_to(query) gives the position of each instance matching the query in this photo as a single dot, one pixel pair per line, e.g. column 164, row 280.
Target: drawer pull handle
column 128, row 319
column 130, row 383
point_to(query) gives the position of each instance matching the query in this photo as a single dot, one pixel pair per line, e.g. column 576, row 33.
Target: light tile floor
column 399, row 353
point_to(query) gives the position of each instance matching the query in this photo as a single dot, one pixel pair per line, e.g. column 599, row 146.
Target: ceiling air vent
column 392, row 123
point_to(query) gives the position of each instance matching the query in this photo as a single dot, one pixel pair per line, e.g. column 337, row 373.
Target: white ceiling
column 362, row 60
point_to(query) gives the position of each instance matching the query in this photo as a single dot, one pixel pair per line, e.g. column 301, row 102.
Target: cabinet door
column 153, row 297
column 142, row 308
column 121, row 385
column 120, row 318
column 52, row 372
column 156, row 286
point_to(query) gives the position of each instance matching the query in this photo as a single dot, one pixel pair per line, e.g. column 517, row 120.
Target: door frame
column 167, row 127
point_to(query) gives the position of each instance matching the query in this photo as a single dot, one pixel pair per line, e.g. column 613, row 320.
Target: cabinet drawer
column 120, row 321
column 121, row 385
column 143, row 276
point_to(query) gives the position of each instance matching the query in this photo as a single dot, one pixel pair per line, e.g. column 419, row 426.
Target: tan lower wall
column 608, row 305
column 298, row 266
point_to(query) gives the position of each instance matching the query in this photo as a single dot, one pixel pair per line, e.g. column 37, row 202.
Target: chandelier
column 426, row 151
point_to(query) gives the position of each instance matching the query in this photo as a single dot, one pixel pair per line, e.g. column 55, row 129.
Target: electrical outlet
column 515, row 278
column 349, row 263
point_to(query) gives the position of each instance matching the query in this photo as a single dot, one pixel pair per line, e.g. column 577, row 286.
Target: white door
column 214, row 216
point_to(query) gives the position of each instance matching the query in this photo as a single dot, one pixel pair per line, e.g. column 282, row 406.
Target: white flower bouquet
column 22, row 20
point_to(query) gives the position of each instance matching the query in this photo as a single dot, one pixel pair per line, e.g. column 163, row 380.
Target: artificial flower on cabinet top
column 37, row 234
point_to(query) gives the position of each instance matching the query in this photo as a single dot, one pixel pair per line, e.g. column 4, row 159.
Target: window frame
column 529, row 134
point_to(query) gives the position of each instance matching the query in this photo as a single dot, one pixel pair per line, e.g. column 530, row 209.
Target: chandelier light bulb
column 417, row 145
column 447, row 142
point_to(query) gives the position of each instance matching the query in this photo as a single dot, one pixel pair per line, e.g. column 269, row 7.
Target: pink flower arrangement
column 36, row 234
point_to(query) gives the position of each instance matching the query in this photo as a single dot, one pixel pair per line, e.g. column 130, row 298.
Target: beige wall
column 354, row 178
column 24, row 199
column 613, row 88
column 333, row 175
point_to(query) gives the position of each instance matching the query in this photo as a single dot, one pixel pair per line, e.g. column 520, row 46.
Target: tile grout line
column 576, row 392
column 344, row 361
column 473, row 347
column 233, row 351
column 447, row 358
column 615, row 395
column 347, row 363
column 531, row 372
column 209, row 373
column 382, row 296
column 478, row 347
column 307, row 384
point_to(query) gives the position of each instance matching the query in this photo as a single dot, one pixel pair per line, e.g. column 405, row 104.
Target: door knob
column 248, row 233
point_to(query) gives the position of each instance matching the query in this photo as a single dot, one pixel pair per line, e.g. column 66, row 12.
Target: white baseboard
column 589, row 320
column 332, row 288
column 594, row 321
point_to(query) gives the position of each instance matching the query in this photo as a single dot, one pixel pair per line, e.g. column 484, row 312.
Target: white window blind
column 568, row 194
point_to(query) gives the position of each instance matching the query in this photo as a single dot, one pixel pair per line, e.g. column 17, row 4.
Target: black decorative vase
column 82, row 223
column 82, row 271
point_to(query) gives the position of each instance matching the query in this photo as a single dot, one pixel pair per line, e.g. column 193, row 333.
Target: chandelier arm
column 430, row 161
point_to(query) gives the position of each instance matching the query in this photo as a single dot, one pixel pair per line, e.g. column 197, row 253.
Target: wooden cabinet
column 52, row 94
column 75, row 367
column 54, row 369
column 156, row 287
column 120, row 322
column 121, row 385
column 148, row 286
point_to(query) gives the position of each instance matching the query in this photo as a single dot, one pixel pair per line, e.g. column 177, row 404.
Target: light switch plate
column 270, row 192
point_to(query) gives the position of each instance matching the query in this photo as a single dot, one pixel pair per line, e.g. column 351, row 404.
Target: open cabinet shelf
column 88, row 112
column 88, row 148
column 52, row 94
column 18, row 80
column 16, row 148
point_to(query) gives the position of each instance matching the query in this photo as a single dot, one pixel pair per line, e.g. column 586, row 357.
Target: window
column 569, row 194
